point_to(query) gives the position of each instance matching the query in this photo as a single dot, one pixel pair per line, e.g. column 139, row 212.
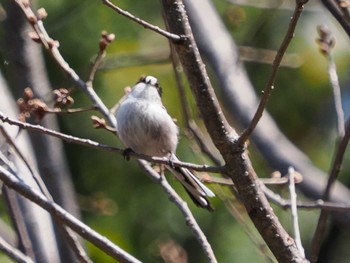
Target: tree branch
column 145, row 24
column 58, row 212
column 224, row 137
column 13, row 252
column 294, row 211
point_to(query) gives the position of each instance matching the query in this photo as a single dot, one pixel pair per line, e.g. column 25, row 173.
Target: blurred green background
column 117, row 199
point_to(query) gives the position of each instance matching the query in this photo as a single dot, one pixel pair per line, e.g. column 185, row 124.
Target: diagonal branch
column 59, row 213
column 143, row 23
column 13, row 252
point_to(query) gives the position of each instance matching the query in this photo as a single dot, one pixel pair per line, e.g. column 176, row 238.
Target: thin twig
column 13, row 252
column 275, row 66
column 70, row 111
column 58, row 212
column 97, row 145
column 226, row 181
column 333, row 77
column 294, row 212
column 336, row 167
column 145, row 24
column 326, row 43
column 318, row 204
column 182, row 205
column 95, row 65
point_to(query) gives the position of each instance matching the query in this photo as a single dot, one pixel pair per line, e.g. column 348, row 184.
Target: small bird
column 144, row 126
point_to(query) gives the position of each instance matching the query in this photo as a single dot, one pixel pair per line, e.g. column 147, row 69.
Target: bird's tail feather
column 196, row 189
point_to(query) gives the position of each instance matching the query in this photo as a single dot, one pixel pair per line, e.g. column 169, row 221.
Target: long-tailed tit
column 145, row 127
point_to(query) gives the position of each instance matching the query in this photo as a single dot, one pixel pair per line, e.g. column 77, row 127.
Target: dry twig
column 275, row 66
column 145, row 24
column 294, row 211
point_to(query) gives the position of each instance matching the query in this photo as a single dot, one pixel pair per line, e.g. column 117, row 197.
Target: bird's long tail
column 196, row 190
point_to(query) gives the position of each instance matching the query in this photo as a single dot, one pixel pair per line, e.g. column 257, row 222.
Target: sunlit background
column 116, row 197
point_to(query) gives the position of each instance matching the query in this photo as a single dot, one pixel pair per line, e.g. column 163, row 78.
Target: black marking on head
column 153, row 82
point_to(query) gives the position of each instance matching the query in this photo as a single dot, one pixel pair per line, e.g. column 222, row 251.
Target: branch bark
column 220, row 50
column 238, row 166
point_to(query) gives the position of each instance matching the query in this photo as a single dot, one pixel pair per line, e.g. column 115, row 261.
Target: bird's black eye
column 159, row 89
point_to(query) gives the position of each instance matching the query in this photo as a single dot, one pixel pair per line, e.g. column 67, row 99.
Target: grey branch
column 13, row 252
column 58, row 212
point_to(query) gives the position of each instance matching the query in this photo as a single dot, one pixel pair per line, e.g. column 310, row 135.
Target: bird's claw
column 127, row 152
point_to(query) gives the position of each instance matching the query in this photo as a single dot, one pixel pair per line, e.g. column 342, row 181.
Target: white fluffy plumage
column 144, row 125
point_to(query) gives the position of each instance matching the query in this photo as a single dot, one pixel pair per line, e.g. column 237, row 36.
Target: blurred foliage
column 117, row 198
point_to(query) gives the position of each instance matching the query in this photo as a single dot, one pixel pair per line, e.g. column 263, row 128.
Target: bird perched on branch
column 144, row 126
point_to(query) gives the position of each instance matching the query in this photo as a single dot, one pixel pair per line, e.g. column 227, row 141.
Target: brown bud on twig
column 42, row 14
column 105, row 40
column 62, row 97
column 98, row 122
column 28, row 105
column 53, row 43
column 344, row 3
column 34, row 36
column 28, row 94
column 325, row 41
column 32, row 19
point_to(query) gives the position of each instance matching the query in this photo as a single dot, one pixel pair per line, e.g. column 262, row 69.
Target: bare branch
column 145, row 24
column 275, row 66
column 318, row 204
column 182, row 205
column 13, row 252
column 97, row 145
column 58, row 212
column 294, row 211
column 326, row 43
column 225, row 138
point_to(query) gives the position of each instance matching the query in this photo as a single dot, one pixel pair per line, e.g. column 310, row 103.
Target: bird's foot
column 127, row 152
